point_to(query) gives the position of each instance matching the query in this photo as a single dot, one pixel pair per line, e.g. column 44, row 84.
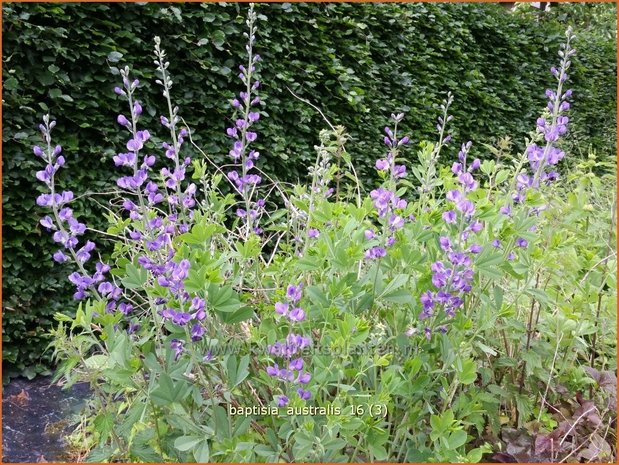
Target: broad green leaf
column 202, row 452
column 135, row 278
column 456, row 439
column 96, row 362
column 185, row 443
column 467, row 373
column 223, row 299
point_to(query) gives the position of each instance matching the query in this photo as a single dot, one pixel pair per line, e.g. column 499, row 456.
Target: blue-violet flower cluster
column 293, row 366
column 453, row 278
column 385, row 199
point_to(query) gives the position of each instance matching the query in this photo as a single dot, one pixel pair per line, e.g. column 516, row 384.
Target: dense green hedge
column 358, row 63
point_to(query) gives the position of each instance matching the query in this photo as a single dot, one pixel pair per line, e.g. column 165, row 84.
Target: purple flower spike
column 48, row 223
column 197, row 331
column 445, row 243
column 399, row 171
column 475, row 248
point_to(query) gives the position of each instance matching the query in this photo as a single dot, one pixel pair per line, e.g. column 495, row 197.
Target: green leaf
column 397, row 282
column 202, row 452
column 317, row 296
column 486, row 349
column 144, row 453
column 114, row 57
column 539, row 295
column 249, row 248
column 242, row 371
column 308, row 263
column 474, row 456
column 231, row 364
column 399, row 296
column 502, row 176
column 10, row 84
column 378, row 451
column 200, row 234
column 196, row 279
column 96, row 362
column 45, row 78
column 135, row 278
column 487, row 259
column 218, row 38
column 131, row 418
column 223, row 299
column 185, row 443
column 100, row 454
column 222, row 426
column 467, row 372
column 164, row 393
column 456, row 439
column 20, row 135
column 244, row 313
column 498, row 297
column 103, row 423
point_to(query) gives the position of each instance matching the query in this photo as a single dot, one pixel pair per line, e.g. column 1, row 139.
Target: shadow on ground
column 36, row 416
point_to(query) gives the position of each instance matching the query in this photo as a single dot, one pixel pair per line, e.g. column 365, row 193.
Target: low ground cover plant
column 447, row 312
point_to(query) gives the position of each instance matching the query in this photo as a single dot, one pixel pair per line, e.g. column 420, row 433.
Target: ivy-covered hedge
column 356, row 62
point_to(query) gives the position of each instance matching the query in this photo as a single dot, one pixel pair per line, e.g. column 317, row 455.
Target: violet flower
column 293, row 368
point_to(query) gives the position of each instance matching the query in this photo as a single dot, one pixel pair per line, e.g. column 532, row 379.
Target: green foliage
column 521, row 336
column 418, row 323
column 357, row 63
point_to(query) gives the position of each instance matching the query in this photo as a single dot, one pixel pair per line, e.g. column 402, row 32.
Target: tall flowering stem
column 322, row 173
column 542, row 158
column 180, row 202
column 385, row 199
column 293, row 370
column 429, row 164
column 131, row 159
column 550, row 128
column 153, row 229
column 66, row 227
column 453, row 278
column 245, row 104
column 557, row 126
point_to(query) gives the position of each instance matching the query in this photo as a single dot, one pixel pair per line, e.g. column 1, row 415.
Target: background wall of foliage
column 358, row 63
